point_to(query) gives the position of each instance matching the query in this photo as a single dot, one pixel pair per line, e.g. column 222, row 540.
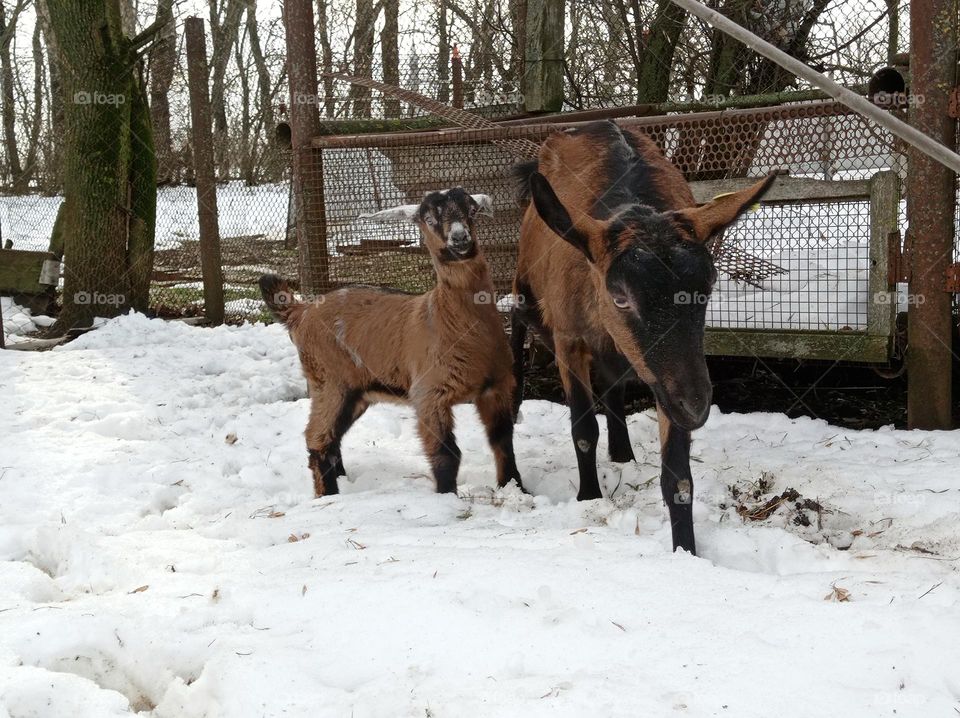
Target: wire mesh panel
column 824, row 250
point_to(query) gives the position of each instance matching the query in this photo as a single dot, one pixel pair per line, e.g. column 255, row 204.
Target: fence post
column 884, row 220
column 202, row 140
column 307, row 162
column 931, row 201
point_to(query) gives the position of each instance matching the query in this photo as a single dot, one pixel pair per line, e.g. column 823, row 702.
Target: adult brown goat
column 360, row 345
column 625, row 293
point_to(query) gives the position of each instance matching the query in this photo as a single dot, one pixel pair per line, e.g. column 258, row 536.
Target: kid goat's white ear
column 403, row 212
column 485, row 202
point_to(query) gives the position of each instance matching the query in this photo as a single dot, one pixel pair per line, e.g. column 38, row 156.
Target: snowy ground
column 160, row 551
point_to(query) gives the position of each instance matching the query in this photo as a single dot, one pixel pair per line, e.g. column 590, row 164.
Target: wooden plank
column 838, row 346
column 884, row 220
column 787, row 189
column 20, row 270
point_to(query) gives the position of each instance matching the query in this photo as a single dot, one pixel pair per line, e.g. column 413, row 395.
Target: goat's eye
column 430, row 220
column 620, row 302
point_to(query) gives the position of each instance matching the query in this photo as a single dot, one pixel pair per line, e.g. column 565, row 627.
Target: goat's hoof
column 589, row 494
column 622, row 457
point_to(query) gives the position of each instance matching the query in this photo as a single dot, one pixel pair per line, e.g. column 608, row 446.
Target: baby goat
column 361, row 345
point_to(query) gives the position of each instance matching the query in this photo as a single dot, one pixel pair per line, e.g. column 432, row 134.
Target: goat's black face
column 656, row 275
column 658, row 283
column 447, row 220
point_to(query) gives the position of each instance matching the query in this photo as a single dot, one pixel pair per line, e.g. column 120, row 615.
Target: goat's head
column 446, row 220
column 654, row 274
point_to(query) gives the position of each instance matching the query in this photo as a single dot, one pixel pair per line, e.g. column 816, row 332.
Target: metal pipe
column 901, row 129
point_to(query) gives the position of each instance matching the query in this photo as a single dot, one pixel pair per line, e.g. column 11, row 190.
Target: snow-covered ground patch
column 19, row 321
column 161, row 551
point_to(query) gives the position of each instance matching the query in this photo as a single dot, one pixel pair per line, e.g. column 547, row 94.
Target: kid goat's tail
column 278, row 296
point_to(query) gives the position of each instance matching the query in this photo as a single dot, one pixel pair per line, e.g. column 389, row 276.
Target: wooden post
column 884, row 220
column 457, row 66
column 307, row 162
column 543, row 64
column 202, row 140
column 931, row 204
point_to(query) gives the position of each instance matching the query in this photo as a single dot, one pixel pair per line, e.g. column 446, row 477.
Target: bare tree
column 390, row 53
column 8, row 29
column 225, row 17
column 163, row 59
column 363, row 39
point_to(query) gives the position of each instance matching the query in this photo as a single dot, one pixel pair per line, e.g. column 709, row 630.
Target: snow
column 19, row 321
column 243, row 212
column 161, row 551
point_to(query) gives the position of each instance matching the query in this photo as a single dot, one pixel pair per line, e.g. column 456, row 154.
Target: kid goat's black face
column 448, row 218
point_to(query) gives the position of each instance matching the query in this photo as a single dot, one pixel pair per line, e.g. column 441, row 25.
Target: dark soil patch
column 853, row 397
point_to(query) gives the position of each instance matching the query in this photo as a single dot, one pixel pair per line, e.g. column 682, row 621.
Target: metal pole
column 307, row 161
column 202, row 136
column 908, row 134
column 931, row 200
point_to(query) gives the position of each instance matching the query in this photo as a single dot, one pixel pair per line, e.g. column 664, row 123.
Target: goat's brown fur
column 361, row 345
column 634, row 235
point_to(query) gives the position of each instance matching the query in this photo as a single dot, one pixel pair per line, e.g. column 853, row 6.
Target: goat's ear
column 403, row 212
column 723, row 210
column 484, row 204
column 555, row 215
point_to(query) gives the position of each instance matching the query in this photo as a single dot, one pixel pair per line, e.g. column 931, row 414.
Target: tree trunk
column 653, row 83
column 518, row 42
column 363, row 36
column 326, row 58
column 163, row 59
column 8, row 110
column 36, row 121
column 53, row 164
column 110, row 170
column 390, row 53
column 224, row 34
column 443, row 53
column 244, row 144
column 260, row 63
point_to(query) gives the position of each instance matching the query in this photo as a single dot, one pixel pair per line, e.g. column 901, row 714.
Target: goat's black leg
column 612, row 389
column 332, row 412
column 493, row 406
column 435, row 426
column 323, row 465
column 574, row 363
column 676, row 482
column 518, row 338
